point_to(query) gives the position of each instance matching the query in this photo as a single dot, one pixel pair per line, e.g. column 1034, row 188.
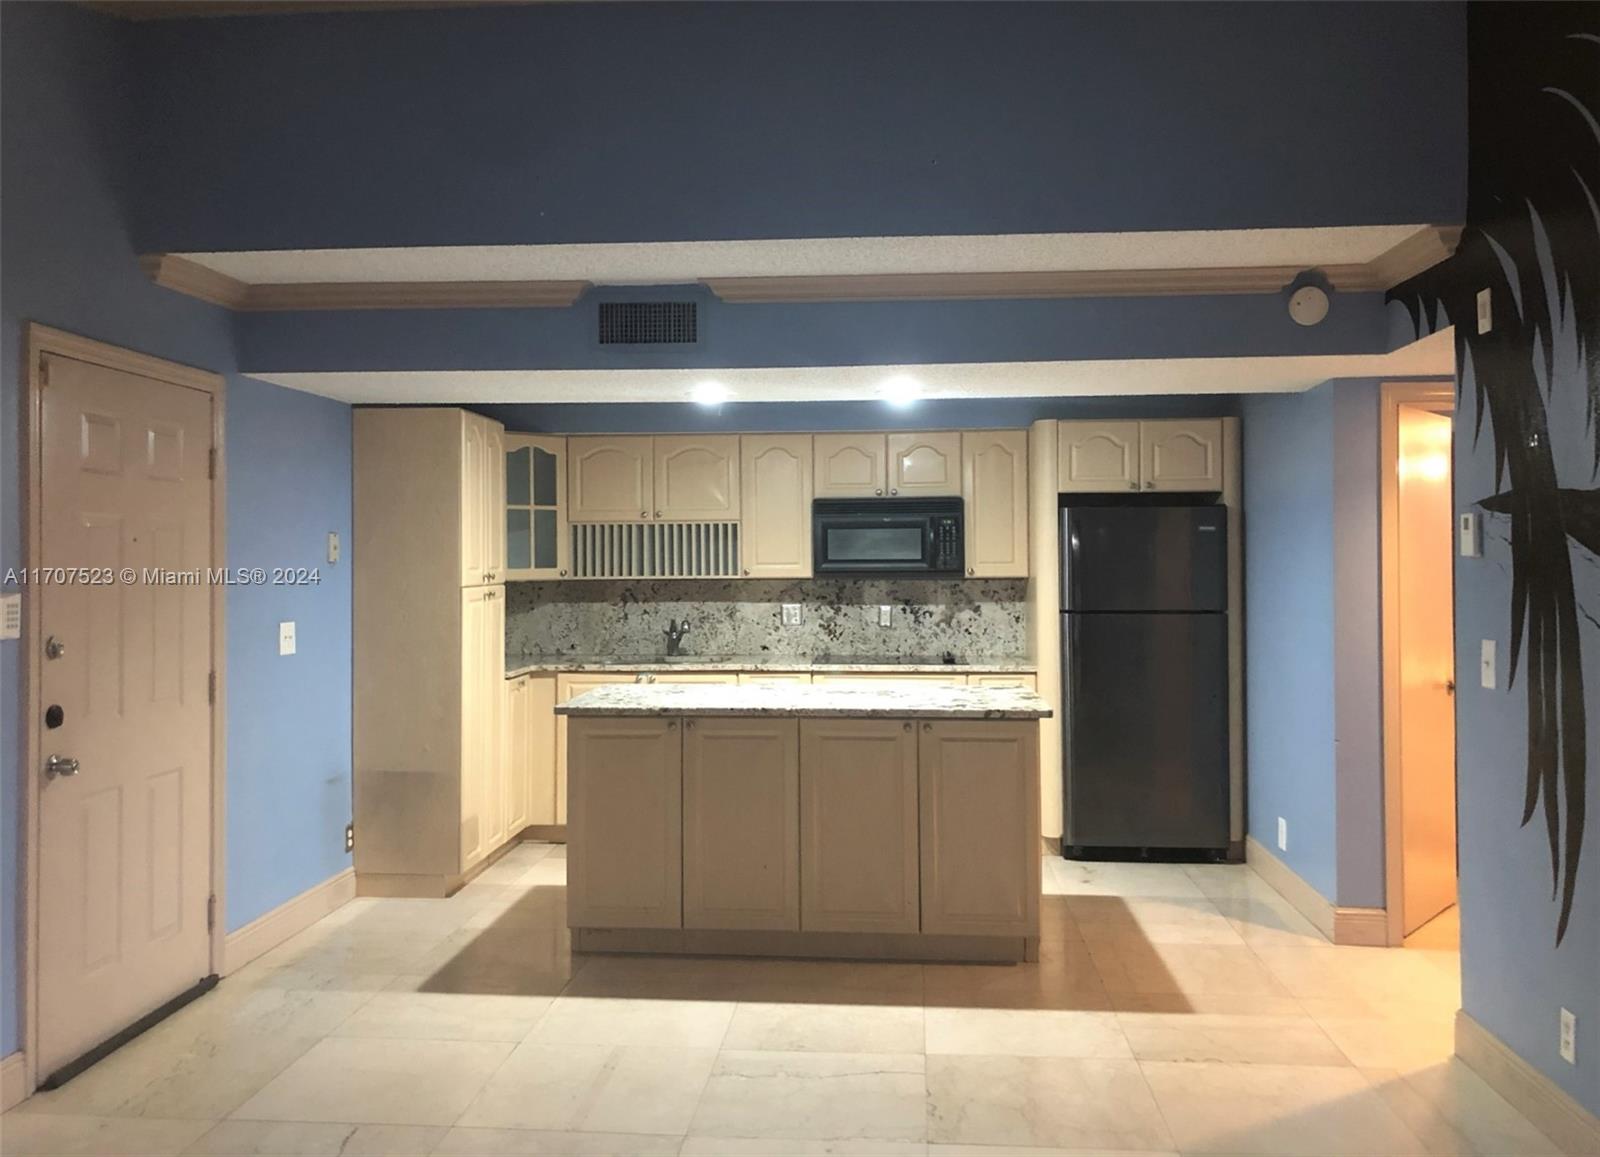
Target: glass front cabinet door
column 536, row 507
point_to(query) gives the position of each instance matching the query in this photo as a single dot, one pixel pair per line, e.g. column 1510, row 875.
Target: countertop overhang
column 889, row 699
column 529, row 664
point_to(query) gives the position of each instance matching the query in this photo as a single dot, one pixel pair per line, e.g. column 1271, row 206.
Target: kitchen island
column 892, row 821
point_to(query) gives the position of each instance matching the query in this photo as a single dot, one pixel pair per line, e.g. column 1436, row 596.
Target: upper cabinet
column 482, row 500
column 536, row 540
column 895, row 465
column 776, row 484
column 611, row 479
column 1179, row 454
column 851, row 465
column 994, row 483
column 1096, row 457
column 925, row 464
column 697, row 477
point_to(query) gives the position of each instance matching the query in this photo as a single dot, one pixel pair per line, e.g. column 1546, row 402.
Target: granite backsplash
column 976, row 619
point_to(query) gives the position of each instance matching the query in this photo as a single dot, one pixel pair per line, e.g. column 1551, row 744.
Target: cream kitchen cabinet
column 994, row 485
column 1025, row 681
column 774, row 677
column 429, row 648
column 610, row 479
column 1097, row 457
column 1177, row 454
column 775, row 477
column 627, row 870
column 741, row 823
column 1181, row 454
column 858, row 826
column 880, row 676
column 696, row 477
column 537, row 545
column 925, row 465
column 568, row 687
column 483, row 788
column 530, row 752
column 851, row 465
column 978, row 789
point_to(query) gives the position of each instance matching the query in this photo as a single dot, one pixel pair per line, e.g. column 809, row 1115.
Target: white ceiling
column 1244, row 375
column 676, row 262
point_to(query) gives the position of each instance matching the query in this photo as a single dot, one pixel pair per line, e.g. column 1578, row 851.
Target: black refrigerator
column 1144, row 652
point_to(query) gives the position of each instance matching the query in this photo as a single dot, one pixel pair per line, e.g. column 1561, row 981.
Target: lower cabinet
column 530, row 752
column 570, row 687
column 978, row 788
column 626, row 869
column 858, row 825
column 483, row 630
column 741, row 830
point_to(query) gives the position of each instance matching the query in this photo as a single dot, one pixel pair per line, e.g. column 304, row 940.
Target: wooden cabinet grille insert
column 655, row 550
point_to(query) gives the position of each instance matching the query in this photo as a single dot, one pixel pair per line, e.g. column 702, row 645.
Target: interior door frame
column 1438, row 398
column 39, row 341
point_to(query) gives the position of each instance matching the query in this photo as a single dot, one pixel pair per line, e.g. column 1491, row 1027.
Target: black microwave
column 887, row 536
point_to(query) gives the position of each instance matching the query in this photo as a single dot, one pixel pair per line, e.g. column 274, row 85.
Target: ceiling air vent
column 649, row 322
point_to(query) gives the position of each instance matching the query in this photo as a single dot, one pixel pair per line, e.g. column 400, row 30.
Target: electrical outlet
column 333, row 546
column 349, row 837
column 285, row 638
column 885, row 615
column 1568, row 1045
column 791, row 614
column 1283, row 834
column 1485, row 310
column 1486, row 664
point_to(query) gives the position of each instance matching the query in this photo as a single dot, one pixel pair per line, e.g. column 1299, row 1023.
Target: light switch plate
column 1486, row 671
column 885, row 615
column 286, row 638
column 1467, row 526
column 1568, row 1043
column 333, row 546
column 1485, row 310
column 791, row 614
column 11, row 616
column 1283, row 834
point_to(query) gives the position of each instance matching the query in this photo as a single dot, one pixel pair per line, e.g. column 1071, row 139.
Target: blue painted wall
column 1289, row 629
column 66, row 153
column 849, row 333
column 616, row 122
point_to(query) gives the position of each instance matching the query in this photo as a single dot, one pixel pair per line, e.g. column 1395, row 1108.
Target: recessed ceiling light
column 711, row 393
column 901, row 390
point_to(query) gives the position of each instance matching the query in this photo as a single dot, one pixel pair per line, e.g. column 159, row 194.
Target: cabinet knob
column 672, row 725
column 879, row 490
column 908, row 727
column 972, row 570
column 927, row 727
column 644, row 514
column 894, row 490
column 1149, row 485
column 1133, row 486
column 688, row 723
column 747, row 572
column 658, row 514
column 562, row 573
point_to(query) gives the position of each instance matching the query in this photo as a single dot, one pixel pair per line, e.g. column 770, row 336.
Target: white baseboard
column 1305, row 899
column 271, row 929
column 1573, row 1128
column 13, row 1081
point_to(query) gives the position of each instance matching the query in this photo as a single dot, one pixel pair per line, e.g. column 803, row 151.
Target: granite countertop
column 894, row 700
column 528, row 664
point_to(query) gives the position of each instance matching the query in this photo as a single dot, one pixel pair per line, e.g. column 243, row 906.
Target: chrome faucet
column 675, row 633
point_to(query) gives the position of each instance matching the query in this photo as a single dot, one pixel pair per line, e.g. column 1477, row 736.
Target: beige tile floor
column 1175, row 1010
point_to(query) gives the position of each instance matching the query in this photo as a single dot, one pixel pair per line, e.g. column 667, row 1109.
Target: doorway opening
column 1418, row 549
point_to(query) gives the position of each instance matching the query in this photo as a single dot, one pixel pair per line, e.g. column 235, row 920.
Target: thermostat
column 1467, row 525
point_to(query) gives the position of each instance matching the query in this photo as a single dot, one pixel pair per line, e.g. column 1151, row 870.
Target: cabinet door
column 880, row 677
column 925, row 464
column 994, row 483
column 850, row 465
column 482, row 676
column 741, row 824
column 539, row 724
column 625, row 857
column 1182, row 454
column 858, row 825
column 774, row 677
column 491, row 510
column 491, row 679
column 473, row 495
column 569, row 687
column 1097, row 457
column 697, row 477
column 515, row 765
column 775, row 477
column 610, row 479
column 537, row 544
column 695, row 677
column 980, row 827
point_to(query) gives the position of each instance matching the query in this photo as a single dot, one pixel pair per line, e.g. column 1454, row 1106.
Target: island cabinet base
column 852, row 838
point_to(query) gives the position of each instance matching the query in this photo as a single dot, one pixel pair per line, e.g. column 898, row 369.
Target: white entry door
column 124, row 842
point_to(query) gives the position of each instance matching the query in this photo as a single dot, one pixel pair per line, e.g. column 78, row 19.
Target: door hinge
column 44, row 370
column 211, row 463
column 211, row 912
column 211, row 688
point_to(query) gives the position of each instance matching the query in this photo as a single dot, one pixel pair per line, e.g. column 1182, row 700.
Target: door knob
column 1449, row 686
column 60, row 765
column 54, row 648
